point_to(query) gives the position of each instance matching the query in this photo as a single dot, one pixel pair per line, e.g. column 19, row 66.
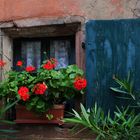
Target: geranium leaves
column 40, row 104
column 72, row 76
column 37, row 104
column 56, row 75
column 59, row 86
column 74, row 69
column 30, row 104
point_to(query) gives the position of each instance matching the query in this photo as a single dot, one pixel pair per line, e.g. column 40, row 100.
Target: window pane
column 59, row 50
column 31, row 53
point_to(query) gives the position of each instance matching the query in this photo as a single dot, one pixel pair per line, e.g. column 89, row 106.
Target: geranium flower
column 19, row 63
column 48, row 65
column 23, row 92
column 54, row 62
column 2, row 63
column 80, row 83
column 40, row 88
column 30, row 68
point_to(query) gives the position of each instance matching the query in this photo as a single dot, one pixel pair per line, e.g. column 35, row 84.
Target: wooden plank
column 80, row 52
column 43, row 31
column 112, row 48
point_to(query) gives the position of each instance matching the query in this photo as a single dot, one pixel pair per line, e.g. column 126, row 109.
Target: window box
column 25, row 116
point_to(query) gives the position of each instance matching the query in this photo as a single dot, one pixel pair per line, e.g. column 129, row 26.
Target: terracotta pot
column 25, row 116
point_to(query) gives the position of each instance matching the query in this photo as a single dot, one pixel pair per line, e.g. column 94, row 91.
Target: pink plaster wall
column 90, row 9
column 19, row 9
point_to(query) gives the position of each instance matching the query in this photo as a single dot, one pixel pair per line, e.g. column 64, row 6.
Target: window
column 30, row 53
column 60, row 50
column 34, row 50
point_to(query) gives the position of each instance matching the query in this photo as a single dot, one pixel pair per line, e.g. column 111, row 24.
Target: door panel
column 112, row 48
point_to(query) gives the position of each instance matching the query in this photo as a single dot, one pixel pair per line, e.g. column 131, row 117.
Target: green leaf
column 35, row 99
column 52, row 84
column 72, row 76
column 49, row 116
column 76, row 114
column 7, row 122
column 74, row 69
column 126, row 98
column 7, row 131
column 72, row 120
column 56, row 74
column 31, row 79
column 40, row 104
column 85, row 114
column 9, row 105
column 118, row 90
column 82, row 92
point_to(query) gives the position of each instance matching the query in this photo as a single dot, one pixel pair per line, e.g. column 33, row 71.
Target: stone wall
column 5, row 53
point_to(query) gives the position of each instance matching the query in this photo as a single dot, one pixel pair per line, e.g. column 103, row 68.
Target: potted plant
column 42, row 90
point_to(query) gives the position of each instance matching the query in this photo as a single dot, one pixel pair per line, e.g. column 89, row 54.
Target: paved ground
column 49, row 132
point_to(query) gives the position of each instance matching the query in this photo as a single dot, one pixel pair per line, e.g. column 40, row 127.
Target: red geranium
column 30, row 68
column 80, row 83
column 23, row 92
column 54, row 62
column 48, row 65
column 2, row 63
column 40, row 88
column 19, row 63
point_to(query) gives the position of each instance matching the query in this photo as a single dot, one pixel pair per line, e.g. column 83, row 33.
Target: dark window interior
column 34, row 50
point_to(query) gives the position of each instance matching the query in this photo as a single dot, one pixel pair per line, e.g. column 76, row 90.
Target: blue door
column 112, row 48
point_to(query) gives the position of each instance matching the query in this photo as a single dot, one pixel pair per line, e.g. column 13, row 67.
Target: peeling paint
column 90, row 9
column 136, row 10
column 118, row 7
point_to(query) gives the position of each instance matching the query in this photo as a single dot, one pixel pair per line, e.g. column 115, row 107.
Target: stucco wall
column 57, row 9
column 90, row 9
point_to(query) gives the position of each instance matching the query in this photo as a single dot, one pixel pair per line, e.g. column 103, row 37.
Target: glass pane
column 59, row 50
column 31, row 53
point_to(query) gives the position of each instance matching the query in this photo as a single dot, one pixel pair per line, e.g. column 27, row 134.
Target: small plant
column 127, row 92
column 39, row 89
column 6, row 133
column 121, row 127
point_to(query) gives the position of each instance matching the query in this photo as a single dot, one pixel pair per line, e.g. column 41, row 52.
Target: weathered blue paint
column 112, row 48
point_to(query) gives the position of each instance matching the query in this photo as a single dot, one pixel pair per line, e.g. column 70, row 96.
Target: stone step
column 40, row 138
column 50, row 132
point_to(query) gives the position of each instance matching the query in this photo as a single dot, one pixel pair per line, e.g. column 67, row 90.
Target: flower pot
column 25, row 116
